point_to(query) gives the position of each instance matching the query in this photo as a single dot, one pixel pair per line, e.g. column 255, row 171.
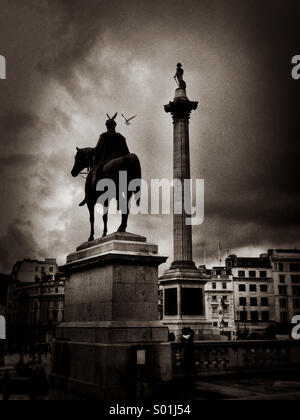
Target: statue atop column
column 179, row 76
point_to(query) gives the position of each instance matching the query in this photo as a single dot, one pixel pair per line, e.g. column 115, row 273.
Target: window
column 43, row 269
column 296, row 290
column 253, row 288
column 281, row 267
column 295, row 279
column 224, row 285
column 264, row 302
column 294, row 267
column 225, row 324
column 225, row 298
column 215, row 311
column 263, row 274
column 283, row 317
column 254, row 316
column 214, row 286
column 51, row 269
column 264, row 288
column 282, row 278
column 242, row 274
column 215, row 324
column 242, row 288
column 252, row 273
column 55, row 316
column 243, row 301
column 36, row 269
column 283, row 303
column 214, row 298
column 296, row 303
column 282, row 290
column 265, row 316
column 253, row 301
column 56, row 290
column 244, row 316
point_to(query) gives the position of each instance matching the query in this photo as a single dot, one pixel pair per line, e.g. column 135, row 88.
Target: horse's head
column 80, row 163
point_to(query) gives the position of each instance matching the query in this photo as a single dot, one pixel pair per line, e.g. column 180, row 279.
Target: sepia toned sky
column 69, row 62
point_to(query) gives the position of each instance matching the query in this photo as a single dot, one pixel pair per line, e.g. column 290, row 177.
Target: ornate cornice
column 181, row 109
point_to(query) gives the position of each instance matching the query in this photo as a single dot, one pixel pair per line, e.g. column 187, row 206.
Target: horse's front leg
column 123, row 226
column 105, row 218
column 92, row 220
column 125, row 216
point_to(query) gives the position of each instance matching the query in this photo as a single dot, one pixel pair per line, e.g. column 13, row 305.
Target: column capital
column 181, row 109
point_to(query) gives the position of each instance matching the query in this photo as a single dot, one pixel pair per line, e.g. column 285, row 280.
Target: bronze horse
column 111, row 171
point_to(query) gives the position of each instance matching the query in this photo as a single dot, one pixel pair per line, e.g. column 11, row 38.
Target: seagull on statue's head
column 127, row 120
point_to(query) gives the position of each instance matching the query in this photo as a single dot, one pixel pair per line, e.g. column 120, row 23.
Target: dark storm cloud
column 120, row 54
column 16, row 161
column 13, row 122
column 76, row 30
column 17, row 243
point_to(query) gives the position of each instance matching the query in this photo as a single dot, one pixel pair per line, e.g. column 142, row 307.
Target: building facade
column 220, row 302
column 286, row 276
column 35, row 301
column 248, row 298
column 32, row 271
column 253, row 291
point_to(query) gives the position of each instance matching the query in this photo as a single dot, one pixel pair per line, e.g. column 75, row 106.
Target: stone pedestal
column 184, row 303
column 111, row 317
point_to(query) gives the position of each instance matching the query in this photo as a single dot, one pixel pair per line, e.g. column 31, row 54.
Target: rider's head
column 111, row 125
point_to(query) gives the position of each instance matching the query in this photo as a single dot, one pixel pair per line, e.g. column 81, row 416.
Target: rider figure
column 111, row 145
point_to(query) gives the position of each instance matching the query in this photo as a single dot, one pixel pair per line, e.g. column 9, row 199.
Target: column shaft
column 182, row 232
column 181, row 109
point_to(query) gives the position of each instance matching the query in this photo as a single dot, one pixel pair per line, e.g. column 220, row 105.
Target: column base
column 181, row 276
column 183, row 265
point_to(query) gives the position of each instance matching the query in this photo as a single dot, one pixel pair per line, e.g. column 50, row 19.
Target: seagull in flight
column 127, row 120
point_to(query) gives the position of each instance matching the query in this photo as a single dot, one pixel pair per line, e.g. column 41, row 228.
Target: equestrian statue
column 109, row 160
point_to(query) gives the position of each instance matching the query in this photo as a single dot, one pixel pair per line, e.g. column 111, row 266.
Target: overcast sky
column 69, row 62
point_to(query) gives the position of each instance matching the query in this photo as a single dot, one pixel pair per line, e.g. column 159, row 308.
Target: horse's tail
column 138, row 176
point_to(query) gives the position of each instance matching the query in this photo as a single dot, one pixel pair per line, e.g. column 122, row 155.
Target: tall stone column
column 181, row 109
column 183, row 276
